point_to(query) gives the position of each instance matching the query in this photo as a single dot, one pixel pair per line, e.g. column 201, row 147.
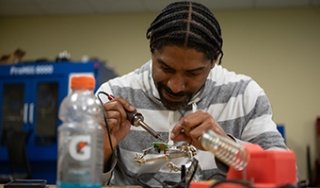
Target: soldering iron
column 137, row 119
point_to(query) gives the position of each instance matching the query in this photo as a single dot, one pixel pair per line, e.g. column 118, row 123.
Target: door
column 47, row 94
column 14, row 110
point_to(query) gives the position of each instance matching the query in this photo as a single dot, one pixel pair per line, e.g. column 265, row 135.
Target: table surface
column 53, row 186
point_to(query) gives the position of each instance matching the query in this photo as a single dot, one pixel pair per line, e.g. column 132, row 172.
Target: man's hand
column 193, row 125
column 119, row 126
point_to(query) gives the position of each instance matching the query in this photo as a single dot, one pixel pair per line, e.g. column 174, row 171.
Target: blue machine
column 30, row 96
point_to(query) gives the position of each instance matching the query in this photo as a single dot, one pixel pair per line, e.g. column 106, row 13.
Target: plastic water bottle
column 80, row 144
column 228, row 151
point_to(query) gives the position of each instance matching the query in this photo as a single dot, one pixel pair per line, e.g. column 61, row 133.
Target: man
column 182, row 92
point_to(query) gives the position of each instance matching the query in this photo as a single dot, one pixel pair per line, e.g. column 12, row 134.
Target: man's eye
column 167, row 70
column 193, row 74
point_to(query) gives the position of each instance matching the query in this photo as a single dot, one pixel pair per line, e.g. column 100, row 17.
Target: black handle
column 134, row 116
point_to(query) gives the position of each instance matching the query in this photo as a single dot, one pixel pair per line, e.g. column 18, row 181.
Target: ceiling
column 69, row 7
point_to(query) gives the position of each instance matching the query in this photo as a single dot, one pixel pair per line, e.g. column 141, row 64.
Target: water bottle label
column 80, row 147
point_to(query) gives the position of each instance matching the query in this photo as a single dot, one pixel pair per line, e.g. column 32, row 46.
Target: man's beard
column 171, row 105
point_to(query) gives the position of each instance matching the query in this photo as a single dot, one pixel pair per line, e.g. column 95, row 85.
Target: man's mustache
column 180, row 94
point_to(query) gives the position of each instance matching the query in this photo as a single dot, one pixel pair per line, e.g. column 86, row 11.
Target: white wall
column 279, row 48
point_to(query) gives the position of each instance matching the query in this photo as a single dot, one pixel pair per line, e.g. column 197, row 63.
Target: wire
column 114, row 153
column 106, row 122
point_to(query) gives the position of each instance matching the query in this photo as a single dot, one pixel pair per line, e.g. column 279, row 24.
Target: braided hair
column 187, row 24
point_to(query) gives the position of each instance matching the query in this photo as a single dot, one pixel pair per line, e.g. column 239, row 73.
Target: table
column 130, row 186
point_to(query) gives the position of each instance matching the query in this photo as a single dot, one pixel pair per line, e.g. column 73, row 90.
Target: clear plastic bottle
column 228, row 151
column 80, row 144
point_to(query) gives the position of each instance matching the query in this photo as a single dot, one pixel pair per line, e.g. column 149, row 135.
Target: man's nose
column 177, row 84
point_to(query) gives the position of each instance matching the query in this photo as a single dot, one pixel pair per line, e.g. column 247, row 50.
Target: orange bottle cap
column 82, row 82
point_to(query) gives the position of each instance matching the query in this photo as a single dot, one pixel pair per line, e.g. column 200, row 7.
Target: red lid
column 82, row 82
